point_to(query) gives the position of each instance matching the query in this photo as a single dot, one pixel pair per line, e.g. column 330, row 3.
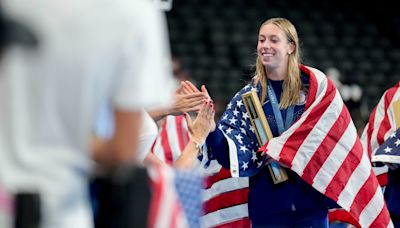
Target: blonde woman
column 314, row 140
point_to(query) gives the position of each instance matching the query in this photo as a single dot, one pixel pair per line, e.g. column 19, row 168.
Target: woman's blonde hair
column 292, row 83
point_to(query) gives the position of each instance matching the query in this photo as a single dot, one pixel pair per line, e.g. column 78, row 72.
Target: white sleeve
column 146, row 78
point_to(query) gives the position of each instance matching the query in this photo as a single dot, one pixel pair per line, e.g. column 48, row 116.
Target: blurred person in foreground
column 89, row 52
column 314, row 140
column 382, row 133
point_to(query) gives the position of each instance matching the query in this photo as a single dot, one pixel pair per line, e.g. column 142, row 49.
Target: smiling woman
column 312, row 131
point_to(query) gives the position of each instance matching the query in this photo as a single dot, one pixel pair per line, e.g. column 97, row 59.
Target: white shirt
column 90, row 52
column 104, row 129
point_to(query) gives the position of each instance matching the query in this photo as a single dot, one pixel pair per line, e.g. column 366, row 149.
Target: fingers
column 180, row 89
column 191, row 87
column 188, row 87
column 204, row 90
column 188, row 119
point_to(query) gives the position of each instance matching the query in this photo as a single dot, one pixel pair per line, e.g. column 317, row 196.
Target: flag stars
column 254, row 157
column 239, row 103
column 235, row 112
column 387, row 149
column 229, row 130
column 259, row 164
column 220, row 127
column 229, row 106
column 245, row 165
column 232, row 121
column 243, row 123
column 242, row 130
column 245, row 116
column 397, row 142
column 225, row 117
column 252, row 129
column 393, row 135
column 243, row 148
column 239, row 138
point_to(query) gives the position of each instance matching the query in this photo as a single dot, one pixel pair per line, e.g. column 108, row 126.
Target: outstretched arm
column 199, row 130
column 183, row 102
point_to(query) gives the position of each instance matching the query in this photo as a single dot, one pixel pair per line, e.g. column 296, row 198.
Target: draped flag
column 224, row 198
column 380, row 126
column 322, row 147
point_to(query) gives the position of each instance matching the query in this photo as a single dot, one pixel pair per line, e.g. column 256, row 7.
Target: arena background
column 216, row 42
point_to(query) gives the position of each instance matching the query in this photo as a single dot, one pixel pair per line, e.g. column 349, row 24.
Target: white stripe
column 317, row 135
column 233, row 156
column 158, row 150
column 355, row 182
column 386, row 158
column 380, row 170
column 373, row 208
column 225, row 215
column 335, row 159
column 173, row 138
column 226, row 185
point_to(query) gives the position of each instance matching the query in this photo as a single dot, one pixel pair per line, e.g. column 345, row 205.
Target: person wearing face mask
column 314, row 141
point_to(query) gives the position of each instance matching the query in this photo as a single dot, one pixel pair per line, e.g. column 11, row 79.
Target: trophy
column 262, row 131
column 396, row 108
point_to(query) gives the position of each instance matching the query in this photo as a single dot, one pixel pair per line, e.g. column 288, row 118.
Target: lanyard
column 277, row 112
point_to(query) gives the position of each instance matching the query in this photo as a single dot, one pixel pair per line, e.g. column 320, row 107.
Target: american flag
column 165, row 207
column 224, row 197
column 322, row 147
column 172, row 139
column 389, row 151
column 380, row 126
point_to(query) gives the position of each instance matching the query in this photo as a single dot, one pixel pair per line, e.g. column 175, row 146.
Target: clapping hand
column 202, row 125
column 188, row 88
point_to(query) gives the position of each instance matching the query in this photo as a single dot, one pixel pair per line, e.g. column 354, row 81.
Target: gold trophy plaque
column 262, row 131
column 396, row 108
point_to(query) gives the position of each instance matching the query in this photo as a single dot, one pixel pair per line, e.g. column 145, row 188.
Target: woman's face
column 273, row 47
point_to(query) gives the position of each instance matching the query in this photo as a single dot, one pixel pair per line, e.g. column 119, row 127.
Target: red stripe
column 297, row 138
column 364, row 195
column 325, row 148
column 158, row 189
column 175, row 215
column 165, row 144
column 226, row 199
column 180, row 132
column 221, row 175
column 312, row 92
column 382, row 179
column 242, row 223
column 370, row 130
column 383, row 219
column 343, row 216
column 344, row 172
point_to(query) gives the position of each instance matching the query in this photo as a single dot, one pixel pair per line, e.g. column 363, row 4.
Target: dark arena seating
column 216, row 41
